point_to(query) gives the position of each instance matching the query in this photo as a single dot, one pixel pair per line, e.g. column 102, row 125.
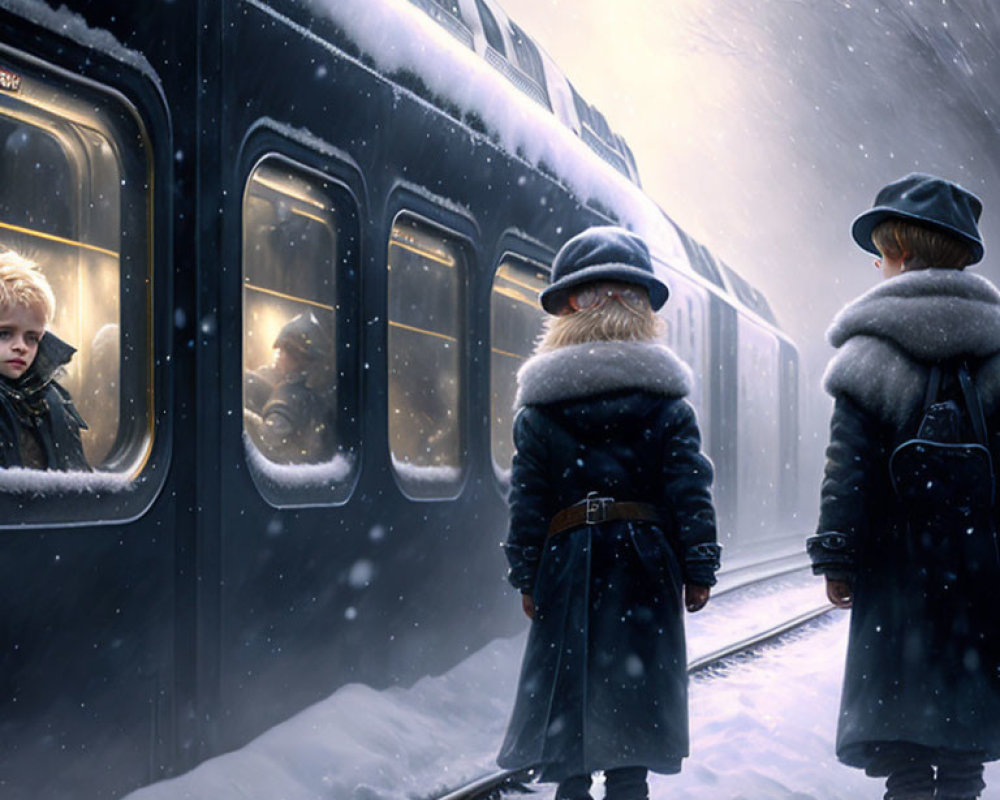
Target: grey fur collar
column 931, row 315
column 582, row 370
column 890, row 335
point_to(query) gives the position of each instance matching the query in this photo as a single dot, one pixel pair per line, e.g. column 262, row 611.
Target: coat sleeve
column 687, row 488
column 529, row 501
column 853, row 456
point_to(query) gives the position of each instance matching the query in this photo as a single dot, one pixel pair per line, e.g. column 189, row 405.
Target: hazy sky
column 671, row 96
column 764, row 126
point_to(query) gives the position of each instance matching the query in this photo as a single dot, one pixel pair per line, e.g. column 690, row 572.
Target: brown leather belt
column 595, row 510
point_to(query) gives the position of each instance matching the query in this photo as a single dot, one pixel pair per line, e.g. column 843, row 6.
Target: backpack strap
column 973, row 403
column 933, row 386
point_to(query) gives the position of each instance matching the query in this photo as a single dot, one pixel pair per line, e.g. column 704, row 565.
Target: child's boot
column 576, row 787
column 912, row 782
column 959, row 778
column 626, row 783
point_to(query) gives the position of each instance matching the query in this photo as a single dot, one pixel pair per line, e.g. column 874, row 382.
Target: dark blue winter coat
column 604, row 677
column 37, row 402
column 923, row 663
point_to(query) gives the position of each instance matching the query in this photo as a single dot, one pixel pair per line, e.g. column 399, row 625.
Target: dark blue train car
column 370, row 191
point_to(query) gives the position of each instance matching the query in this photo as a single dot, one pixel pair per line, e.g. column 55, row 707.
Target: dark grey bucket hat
column 932, row 201
column 602, row 253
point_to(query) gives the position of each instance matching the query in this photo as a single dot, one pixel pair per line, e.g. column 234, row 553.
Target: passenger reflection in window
column 422, row 406
column 289, row 403
column 39, row 427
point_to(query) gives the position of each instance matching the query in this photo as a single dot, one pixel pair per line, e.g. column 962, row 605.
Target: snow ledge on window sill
column 18, row 480
column 299, row 476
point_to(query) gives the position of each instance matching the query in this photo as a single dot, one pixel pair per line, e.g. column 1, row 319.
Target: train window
column 706, row 267
column 750, row 297
column 601, row 126
column 582, row 108
column 74, row 198
column 491, row 30
column 528, row 58
column 590, row 118
column 427, row 269
column 515, row 323
column 763, row 307
column 293, row 242
column 701, row 260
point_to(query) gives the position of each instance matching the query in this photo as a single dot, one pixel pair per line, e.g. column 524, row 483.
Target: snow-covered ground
column 762, row 731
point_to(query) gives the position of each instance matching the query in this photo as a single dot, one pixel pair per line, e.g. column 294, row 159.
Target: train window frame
column 741, row 288
column 491, row 28
column 701, row 260
column 123, row 108
column 329, row 482
column 543, row 268
column 707, row 266
column 427, row 488
column 526, row 55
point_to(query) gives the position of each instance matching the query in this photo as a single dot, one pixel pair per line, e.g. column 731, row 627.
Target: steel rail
column 485, row 786
column 757, row 639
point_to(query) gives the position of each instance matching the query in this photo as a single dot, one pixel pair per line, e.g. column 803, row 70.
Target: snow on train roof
column 74, row 26
column 385, row 31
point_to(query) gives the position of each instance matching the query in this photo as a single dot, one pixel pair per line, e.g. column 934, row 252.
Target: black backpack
column 939, row 472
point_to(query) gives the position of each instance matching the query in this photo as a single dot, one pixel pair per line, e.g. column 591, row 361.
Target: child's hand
column 840, row 593
column 695, row 596
column 528, row 604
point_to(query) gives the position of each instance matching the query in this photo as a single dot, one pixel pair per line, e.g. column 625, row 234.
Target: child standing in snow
column 612, row 528
column 39, row 427
column 908, row 545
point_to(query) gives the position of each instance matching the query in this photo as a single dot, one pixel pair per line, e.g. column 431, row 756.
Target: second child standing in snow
column 908, row 519
column 612, row 529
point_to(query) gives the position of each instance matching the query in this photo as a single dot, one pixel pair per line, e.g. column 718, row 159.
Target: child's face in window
column 21, row 330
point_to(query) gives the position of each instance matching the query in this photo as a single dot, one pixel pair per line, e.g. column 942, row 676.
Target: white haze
column 764, row 126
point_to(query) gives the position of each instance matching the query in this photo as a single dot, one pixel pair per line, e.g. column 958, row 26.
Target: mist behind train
column 764, row 126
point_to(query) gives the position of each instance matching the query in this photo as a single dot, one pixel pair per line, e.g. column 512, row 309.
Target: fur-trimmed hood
column 593, row 368
column 889, row 337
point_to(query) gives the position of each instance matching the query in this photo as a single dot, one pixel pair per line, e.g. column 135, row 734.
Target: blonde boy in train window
column 39, row 426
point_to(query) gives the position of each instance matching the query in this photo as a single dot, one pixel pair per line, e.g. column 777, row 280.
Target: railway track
column 751, row 643
column 491, row 787
column 496, row 784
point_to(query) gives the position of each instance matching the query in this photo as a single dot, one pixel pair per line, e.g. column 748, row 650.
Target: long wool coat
column 923, row 662
column 604, row 679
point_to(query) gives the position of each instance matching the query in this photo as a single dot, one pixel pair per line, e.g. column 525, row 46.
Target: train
column 377, row 187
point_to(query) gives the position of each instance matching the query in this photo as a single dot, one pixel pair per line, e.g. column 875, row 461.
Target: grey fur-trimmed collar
column 889, row 337
column 931, row 314
column 583, row 370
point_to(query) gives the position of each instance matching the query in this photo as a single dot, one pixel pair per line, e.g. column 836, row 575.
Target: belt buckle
column 597, row 508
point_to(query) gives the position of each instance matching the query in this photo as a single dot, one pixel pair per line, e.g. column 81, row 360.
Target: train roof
column 401, row 43
column 73, row 26
column 467, row 56
column 480, row 53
